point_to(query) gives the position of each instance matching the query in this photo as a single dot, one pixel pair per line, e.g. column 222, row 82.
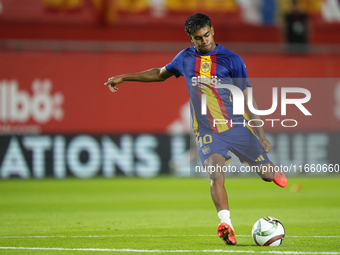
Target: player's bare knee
column 216, row 182
column 214, row 160
column 217, row 175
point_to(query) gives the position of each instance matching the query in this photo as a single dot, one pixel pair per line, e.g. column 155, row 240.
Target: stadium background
column 58, row 119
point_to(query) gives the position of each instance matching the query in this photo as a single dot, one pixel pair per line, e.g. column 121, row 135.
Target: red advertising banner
column 46, row 92
column 64, row 93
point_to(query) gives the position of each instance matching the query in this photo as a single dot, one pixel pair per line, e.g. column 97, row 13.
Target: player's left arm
column 264, row 143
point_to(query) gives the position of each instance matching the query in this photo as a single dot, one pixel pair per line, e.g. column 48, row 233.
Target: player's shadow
column 247, row 245
column 240, row 245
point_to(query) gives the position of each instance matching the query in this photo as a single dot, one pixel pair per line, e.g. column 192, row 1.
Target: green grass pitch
column 164, row 215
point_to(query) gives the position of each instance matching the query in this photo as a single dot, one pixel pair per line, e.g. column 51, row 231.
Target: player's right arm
column 151, row 75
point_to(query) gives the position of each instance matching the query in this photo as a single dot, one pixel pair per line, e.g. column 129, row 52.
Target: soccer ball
column 268, row 231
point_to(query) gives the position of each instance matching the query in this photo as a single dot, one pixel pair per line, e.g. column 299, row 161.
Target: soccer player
column 203, row 66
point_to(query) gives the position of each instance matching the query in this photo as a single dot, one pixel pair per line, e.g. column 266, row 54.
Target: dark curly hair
column 196, row 21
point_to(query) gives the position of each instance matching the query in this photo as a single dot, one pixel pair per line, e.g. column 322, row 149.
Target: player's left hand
column 265, row 144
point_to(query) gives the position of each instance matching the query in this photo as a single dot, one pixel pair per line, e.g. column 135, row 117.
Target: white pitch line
column 100, row 236
column 168, row 251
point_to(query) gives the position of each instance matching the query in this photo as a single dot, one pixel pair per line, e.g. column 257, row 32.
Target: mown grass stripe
column 100, row 236
column 167, row 251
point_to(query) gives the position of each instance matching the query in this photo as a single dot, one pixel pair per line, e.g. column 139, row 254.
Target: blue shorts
column 239, row 140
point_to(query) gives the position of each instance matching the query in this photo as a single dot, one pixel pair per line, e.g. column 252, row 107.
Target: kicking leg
column 269, row 172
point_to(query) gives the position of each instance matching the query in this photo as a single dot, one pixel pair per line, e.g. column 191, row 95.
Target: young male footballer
column 204, row 66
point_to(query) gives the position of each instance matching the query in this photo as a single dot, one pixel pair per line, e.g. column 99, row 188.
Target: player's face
column 204, row 39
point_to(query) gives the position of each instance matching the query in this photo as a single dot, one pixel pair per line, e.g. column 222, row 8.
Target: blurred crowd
column 259, row 12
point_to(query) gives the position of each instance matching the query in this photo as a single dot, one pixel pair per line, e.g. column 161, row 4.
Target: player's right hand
column 112, row 82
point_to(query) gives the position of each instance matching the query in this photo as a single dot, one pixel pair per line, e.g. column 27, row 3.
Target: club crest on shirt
column 205, row 66
column 206, row 149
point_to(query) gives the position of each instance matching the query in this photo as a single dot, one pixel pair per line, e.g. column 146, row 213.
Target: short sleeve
column 239, row 73
column 176, row 65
